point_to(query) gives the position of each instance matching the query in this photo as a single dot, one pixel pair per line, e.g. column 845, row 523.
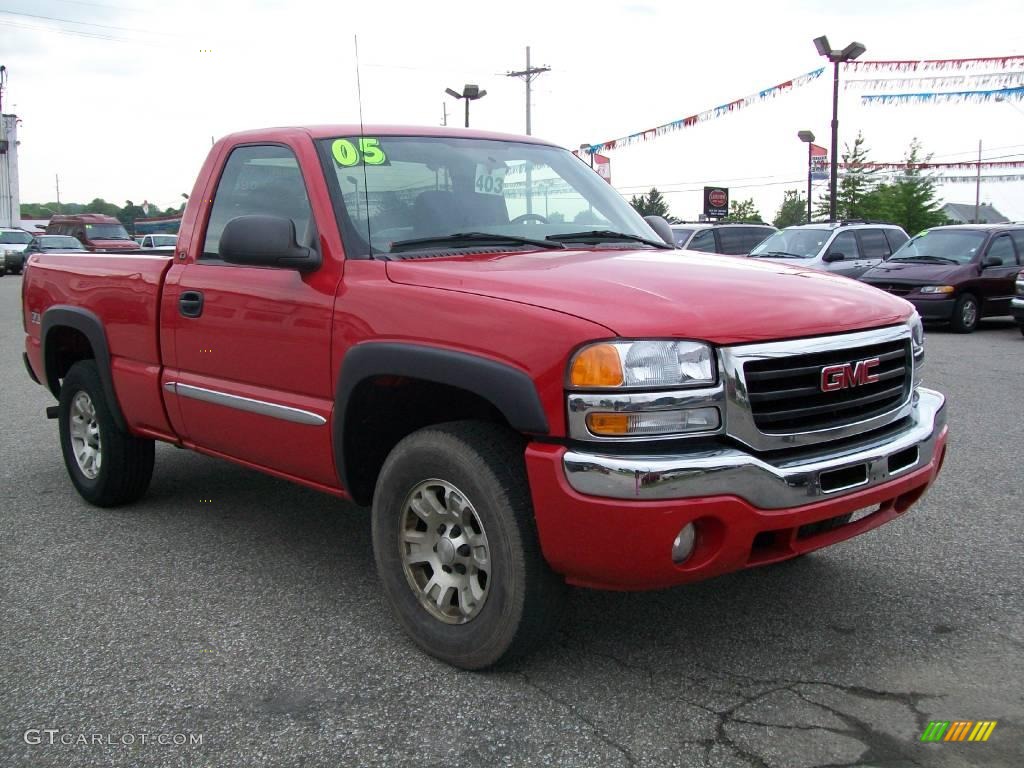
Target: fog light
column 682, row 547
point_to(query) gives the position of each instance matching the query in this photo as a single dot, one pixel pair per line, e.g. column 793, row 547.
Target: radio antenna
column 362, row 135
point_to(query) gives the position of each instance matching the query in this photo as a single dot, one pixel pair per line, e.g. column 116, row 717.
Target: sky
column 121, row 98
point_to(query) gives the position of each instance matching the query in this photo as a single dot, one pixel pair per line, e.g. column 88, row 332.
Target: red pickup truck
column 473, row 334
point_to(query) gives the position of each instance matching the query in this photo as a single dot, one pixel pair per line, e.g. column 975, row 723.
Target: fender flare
column 508, row 389
column 90, row 326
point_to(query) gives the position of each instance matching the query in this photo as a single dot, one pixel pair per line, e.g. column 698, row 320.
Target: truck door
column 251, row 356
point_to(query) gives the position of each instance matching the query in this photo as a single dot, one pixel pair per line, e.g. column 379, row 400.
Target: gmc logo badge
column 834, row 377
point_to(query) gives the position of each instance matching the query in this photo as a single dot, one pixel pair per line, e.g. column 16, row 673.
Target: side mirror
column 662, row 228
column 991, row 261
column 265, row 241
column 831, row 256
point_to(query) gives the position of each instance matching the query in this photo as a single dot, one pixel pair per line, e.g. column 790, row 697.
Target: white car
column 12, row 243
column 159, row 242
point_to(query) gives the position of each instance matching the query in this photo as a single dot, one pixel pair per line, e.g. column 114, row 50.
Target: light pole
column 849, row 53
column 808, row 137
column 469, row 93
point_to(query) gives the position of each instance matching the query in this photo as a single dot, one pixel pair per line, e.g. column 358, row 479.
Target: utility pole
column 444, row 113
column 977, row 189
column 57, row 177
column 528, row 76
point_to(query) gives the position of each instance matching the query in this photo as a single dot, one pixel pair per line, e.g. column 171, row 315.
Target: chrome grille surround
column 739, row 416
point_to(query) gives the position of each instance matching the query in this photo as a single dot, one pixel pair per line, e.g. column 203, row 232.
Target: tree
column 855, row 185
column 792, row 211
column 652, row 204
column 743, row 211
column 909, row 200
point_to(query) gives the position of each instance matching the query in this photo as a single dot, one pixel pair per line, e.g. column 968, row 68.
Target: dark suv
column 957, row 273
column 730, row 239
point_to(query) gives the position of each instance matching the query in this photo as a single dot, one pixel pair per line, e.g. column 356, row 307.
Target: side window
column 873, row 244
column 1018, row 239
column 753, row 237
column 846, row 244
column 703, row 241
column 258, row 180
column 733, row 240
column 1002, row 248
column 896, row 238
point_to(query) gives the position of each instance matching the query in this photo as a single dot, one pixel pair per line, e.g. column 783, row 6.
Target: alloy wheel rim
column 970, row 313
column 444, row 550
column 84, row 431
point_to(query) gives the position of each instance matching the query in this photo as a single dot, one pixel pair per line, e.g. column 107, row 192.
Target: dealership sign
column 716, row 202
column 819, row 163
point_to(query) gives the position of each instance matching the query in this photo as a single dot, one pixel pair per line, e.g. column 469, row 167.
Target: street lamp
column 808, row 137
column 586, row 148
column 849, row 53
column 469, row 93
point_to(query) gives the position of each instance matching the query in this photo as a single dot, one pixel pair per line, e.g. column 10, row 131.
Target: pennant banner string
column 929, row 166
column 927, row 65
column 709, row 114
column 940, row 97
column 946, row 81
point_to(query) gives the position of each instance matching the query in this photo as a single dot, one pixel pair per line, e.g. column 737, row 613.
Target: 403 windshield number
column 364, row 150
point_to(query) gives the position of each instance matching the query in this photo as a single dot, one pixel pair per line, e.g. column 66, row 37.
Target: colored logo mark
column 959, row 730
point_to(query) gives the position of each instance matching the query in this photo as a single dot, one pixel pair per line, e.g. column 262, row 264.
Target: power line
column 85, row 23
column 71, row 32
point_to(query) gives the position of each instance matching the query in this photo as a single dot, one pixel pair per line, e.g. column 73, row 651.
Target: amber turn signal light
column 597, row 366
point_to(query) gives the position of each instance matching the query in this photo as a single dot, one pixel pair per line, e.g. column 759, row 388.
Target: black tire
column 524, row 597
column 126, row 464
column 966, row 313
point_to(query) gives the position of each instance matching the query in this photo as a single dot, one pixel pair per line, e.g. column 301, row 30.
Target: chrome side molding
column 262, row 407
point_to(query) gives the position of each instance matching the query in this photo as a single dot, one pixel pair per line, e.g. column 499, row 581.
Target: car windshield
column 106, row 232
column 60, row 242
column 959, row 245
column 793, row 243
column 681, row 235
column 15, row 237
column 159, row 240
column 394, row 189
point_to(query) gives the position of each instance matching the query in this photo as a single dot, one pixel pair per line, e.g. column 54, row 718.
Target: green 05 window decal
column 365, row 150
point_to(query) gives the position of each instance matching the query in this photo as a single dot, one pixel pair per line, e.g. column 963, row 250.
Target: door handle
column 190, row 303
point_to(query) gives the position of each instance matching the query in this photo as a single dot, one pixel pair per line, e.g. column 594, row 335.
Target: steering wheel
column 529, row 217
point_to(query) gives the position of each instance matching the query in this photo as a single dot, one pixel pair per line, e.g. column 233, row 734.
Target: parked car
column 12, row 246
column 44, row 243
column 730, row 239
column 956, row 274
column 848, row 248
column 523, row 401
column 158, row 242
column 95, row 231
column 1017, row 302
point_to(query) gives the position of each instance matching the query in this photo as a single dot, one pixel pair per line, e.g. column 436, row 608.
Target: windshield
column 399, row 188
column 681, row 235
column 15, row 238
column 61, row 242
column 159, row 240
column 959, row 245
column 106, row 232
column 799, row 243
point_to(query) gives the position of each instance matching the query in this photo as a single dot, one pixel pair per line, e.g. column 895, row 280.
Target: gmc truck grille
column 786, row 394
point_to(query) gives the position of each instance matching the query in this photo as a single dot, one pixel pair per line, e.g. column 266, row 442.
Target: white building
column 10, row 203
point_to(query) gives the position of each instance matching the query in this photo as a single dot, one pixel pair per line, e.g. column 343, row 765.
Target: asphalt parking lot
column 245, row 611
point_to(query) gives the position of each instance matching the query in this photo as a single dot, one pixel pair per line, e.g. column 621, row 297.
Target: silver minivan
column 846, row 248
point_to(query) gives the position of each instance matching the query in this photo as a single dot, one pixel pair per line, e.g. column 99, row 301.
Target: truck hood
column 663, row 293
column 916, row 272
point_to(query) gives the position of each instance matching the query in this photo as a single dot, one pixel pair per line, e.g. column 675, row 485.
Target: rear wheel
column 965, row 314
column 107, row 466
column 456, row 546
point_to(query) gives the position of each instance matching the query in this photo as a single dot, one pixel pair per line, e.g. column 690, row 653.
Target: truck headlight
column 936, row 289
column 642, row 365
column 916, row 338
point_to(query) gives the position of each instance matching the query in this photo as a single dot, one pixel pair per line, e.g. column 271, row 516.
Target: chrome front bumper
column 764, row 483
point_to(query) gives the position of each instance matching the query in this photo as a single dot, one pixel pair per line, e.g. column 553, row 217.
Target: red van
column 94, row 230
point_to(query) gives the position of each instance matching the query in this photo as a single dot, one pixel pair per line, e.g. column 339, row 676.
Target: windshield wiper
column 780, row 254
column 940, row 259
column 603, row 235
column 467, row 240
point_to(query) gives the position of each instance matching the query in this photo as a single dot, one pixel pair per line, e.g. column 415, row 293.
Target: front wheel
column 456, row 546
column 965, row 314
column 107, row 466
